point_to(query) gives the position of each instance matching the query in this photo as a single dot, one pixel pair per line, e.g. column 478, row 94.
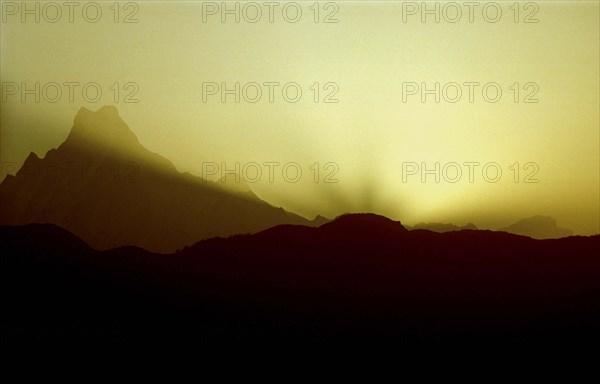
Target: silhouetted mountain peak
column 101, row 135
column 102, row 127
column 103, row 185
column 32, row 157
column 28, row 168
column 538, row 227
column 320, row 220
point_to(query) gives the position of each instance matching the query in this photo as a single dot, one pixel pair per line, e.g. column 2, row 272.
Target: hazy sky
column 368, row 57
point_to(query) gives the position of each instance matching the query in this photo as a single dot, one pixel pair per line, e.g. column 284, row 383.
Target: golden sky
column 371, row 134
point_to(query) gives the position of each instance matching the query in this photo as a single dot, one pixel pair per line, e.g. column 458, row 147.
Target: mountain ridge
column 305, row 283
column 109, row 190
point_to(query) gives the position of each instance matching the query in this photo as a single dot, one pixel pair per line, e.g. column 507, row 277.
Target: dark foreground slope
column 360, row 277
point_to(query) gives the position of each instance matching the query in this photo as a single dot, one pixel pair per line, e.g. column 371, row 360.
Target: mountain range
column 104, row 186
column 102, row 239
column 358, row 277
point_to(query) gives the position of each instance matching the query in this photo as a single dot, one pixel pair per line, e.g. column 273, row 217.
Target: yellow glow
column 369, row 53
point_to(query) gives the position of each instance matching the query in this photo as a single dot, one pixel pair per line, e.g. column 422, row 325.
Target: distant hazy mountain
column 105, row 187
column 538, row 227
column 442, row 227
column 358, row 277
column 319, row 220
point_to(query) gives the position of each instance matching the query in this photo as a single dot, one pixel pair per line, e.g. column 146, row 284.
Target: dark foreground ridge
column 357, row 278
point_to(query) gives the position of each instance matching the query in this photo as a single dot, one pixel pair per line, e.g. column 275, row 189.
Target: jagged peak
column 103, row 126
column 319, row 220
column 32, row 156
column 105, row 109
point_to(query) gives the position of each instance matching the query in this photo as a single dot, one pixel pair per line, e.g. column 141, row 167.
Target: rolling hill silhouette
column 105, row 187
column 359, row 277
